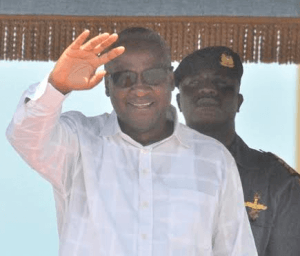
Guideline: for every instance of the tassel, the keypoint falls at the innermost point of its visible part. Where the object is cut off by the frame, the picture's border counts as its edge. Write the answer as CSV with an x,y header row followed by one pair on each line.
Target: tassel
x,y
255,39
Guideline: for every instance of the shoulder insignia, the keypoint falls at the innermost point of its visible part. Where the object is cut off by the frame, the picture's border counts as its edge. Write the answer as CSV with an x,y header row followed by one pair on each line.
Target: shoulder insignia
x,y
255,207
227,61
289,168
284,164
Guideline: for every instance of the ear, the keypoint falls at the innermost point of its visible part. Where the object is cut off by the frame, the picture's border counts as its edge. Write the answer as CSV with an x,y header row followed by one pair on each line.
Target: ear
x,y
171,81
240,101
178,101
106,82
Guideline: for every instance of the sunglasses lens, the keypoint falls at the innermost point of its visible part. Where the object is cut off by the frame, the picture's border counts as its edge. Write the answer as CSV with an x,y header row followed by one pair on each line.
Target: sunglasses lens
x,y
124,79
155,76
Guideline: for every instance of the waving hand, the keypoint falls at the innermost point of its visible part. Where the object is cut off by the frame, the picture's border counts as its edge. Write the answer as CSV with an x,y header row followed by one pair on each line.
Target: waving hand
x,y
76,67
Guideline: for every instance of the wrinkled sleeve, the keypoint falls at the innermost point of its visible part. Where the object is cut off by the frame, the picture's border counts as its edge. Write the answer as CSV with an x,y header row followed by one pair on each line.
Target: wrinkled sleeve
x,y
285,234
48,143
232,232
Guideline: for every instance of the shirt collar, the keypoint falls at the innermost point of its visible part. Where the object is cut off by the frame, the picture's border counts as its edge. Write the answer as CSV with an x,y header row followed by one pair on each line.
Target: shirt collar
x,y
236,147
112,127
178,132
243,155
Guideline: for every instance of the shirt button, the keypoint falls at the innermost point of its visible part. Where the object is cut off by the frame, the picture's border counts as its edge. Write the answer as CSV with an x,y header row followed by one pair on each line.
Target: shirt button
x,y
144,151
145,171
145,204
144,236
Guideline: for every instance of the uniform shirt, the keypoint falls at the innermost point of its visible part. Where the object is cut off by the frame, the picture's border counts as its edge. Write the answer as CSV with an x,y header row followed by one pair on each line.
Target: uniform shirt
x,y
114,197
272,198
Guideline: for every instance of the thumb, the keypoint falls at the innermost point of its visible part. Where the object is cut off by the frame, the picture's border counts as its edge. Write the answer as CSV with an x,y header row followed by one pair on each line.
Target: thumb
x,y
97,78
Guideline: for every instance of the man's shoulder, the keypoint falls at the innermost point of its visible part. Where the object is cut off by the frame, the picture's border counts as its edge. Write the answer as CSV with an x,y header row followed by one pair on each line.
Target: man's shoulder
x,y
250,158
265,164
197,137
204,145
281,166
258,158
77,119
270,160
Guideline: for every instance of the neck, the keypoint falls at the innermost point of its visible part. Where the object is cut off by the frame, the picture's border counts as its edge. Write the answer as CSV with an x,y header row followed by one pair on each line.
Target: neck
x,y
147,137
224,133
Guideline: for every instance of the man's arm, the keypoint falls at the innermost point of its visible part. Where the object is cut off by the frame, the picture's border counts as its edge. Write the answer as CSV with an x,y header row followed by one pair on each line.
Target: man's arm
x,y
45,141
285,233
36,132
232,235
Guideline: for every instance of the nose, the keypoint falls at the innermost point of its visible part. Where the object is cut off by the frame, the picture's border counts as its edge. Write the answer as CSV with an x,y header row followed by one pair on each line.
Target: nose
x,y
140,88
208,91
208,88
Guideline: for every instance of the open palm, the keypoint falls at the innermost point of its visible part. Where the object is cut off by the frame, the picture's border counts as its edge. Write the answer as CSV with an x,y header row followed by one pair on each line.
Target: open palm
x,y
76,67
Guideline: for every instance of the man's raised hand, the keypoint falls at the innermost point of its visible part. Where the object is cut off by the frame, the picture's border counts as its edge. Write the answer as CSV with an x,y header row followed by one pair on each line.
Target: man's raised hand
x,y
76,67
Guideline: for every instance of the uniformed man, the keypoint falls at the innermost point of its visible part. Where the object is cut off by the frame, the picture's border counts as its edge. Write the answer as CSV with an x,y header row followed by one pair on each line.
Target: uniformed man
x,y
209,83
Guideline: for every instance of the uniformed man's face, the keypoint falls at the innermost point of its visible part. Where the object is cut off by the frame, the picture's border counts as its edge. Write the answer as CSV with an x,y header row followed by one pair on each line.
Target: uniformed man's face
x,y
209,97
140,89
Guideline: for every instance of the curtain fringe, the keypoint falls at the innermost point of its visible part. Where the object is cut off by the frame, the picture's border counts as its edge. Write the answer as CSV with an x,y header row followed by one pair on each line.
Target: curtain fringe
x,y
256,39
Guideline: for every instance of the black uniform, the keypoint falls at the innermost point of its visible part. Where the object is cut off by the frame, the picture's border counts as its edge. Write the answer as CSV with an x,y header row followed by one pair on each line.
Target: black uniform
x,y
272,199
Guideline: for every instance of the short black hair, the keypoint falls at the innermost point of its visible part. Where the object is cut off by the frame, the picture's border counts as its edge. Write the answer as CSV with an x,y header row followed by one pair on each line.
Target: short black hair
x,y
214,57
134,37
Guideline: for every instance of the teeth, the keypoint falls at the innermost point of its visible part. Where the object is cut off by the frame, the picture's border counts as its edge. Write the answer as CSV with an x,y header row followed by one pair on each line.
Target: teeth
x,y
142,105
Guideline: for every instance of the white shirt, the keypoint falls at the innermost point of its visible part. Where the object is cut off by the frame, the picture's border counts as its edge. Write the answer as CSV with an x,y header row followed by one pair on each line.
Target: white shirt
x,y
114,197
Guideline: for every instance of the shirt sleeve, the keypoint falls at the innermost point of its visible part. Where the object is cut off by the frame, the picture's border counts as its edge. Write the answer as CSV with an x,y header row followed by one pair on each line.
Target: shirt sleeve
x,y
48,143
232,232
285,233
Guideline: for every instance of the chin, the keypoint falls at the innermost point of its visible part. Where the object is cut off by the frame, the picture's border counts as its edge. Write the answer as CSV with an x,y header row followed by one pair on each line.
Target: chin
x,y
206,119
140,124
204,123
142,127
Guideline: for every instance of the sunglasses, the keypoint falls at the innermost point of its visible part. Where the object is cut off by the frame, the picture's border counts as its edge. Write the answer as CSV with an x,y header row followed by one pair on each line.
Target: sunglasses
x,y
153,76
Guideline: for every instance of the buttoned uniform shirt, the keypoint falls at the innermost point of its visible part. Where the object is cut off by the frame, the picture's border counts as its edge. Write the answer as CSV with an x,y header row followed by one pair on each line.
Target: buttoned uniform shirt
x,y
115,197
272,195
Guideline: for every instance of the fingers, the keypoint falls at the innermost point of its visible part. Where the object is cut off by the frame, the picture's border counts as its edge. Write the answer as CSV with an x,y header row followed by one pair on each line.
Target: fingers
x,y
109,41
101,41
91,44
96,79
80,39
113,53
97,45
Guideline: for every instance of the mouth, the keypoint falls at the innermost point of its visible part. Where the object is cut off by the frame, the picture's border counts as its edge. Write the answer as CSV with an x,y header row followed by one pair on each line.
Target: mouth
x,y
141,105
207,102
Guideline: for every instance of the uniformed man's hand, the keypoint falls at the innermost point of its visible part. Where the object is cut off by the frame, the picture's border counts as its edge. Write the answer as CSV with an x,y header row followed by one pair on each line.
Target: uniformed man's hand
x,y
76,67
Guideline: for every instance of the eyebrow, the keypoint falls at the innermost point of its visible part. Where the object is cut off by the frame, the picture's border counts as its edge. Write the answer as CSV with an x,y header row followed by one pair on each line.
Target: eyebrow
x,y
155,67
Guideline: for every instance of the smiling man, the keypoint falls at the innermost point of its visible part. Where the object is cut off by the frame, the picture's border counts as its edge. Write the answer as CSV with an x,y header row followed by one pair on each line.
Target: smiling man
x,y
142,111
209,84
133,182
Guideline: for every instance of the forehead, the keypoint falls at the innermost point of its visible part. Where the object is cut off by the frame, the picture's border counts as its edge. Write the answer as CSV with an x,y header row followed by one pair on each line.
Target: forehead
x,y
140,58
210,74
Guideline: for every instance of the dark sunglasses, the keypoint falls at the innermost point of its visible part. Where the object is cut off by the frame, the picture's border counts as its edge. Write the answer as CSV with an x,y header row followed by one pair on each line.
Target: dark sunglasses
x,y
153,76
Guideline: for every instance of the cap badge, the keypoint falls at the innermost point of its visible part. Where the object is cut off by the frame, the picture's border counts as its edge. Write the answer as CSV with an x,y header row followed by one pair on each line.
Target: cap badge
x,y
255,207
227,61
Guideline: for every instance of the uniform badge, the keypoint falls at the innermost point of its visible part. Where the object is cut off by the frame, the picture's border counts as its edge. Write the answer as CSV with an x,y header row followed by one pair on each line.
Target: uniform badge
x,y
227,61
255,207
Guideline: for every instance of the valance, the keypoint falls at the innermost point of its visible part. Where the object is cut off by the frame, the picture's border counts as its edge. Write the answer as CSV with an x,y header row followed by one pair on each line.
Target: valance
x,y
256,39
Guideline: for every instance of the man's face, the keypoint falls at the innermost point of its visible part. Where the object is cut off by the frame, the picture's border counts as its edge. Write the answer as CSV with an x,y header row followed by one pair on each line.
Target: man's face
x,y
140,87
209,98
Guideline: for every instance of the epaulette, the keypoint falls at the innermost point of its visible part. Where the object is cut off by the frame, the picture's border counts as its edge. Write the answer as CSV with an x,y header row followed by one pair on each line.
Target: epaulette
x,y
283,163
